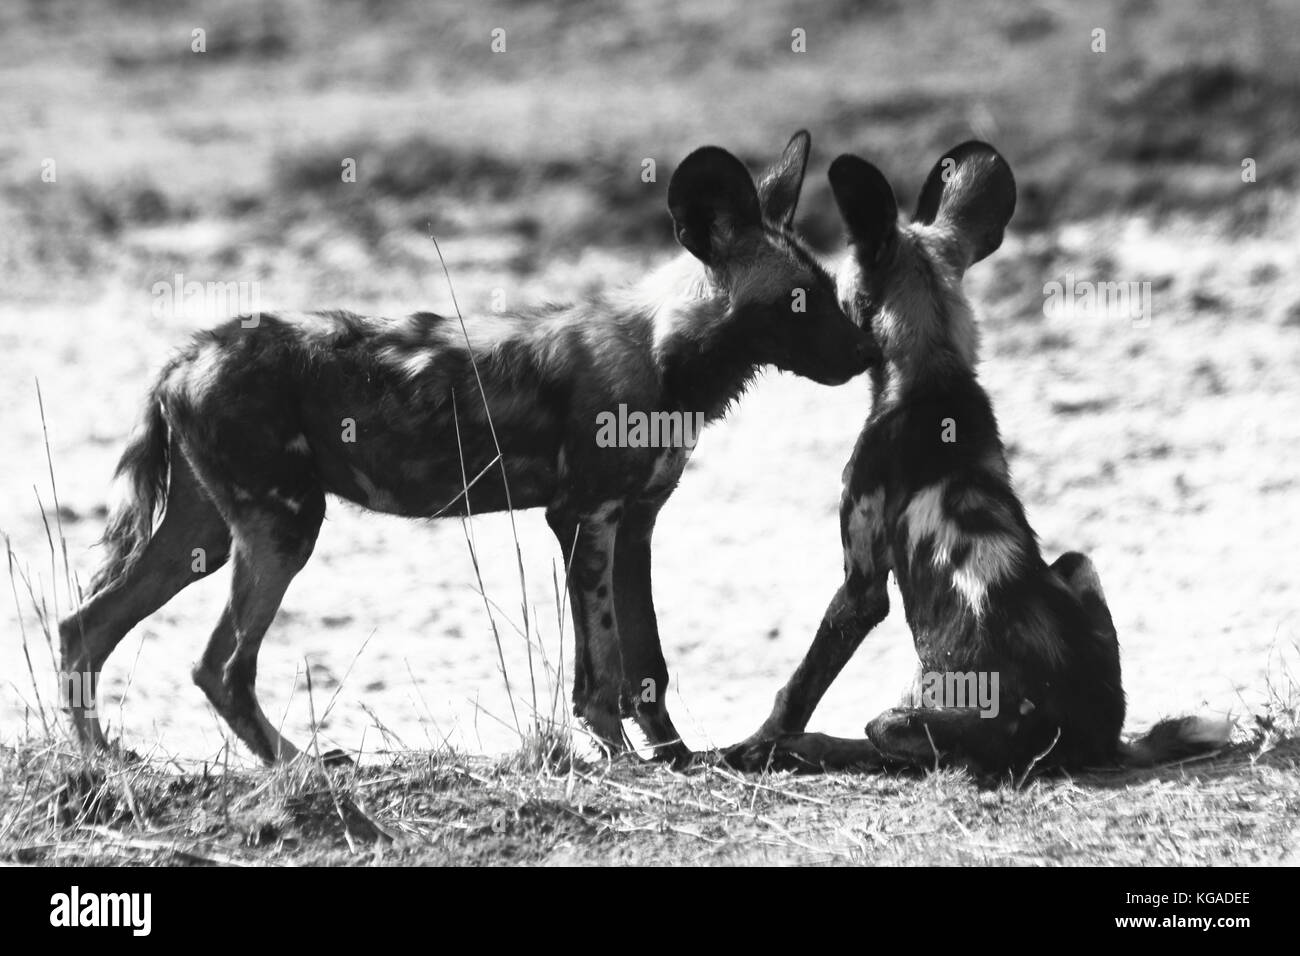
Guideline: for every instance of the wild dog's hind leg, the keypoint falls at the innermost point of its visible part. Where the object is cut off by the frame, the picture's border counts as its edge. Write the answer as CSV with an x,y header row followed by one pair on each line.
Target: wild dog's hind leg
x,y
644,668
923,737
273,538
1012,740
587,537
1096,692
191,542
1080,575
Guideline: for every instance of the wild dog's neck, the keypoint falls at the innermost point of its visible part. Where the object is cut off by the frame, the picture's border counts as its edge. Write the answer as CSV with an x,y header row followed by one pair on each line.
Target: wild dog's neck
x,y
703,357
925,338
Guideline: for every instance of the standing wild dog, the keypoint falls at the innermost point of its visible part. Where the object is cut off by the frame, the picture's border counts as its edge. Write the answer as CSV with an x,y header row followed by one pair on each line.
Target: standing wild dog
x,y
248,429
927,495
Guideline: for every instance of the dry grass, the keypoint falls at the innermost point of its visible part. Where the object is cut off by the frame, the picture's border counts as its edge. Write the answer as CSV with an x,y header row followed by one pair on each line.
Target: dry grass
x,y
545,803
540,806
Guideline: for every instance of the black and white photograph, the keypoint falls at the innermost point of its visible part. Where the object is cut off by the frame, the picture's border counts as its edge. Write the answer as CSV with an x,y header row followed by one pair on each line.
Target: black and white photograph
x,y
610,433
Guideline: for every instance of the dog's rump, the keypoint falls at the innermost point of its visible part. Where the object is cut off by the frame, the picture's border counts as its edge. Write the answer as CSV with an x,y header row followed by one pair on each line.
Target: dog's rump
x,y
389,413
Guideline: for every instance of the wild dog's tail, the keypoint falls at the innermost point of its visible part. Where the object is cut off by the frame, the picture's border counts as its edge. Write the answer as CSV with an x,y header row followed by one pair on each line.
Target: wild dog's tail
x,y
1176,739
142,478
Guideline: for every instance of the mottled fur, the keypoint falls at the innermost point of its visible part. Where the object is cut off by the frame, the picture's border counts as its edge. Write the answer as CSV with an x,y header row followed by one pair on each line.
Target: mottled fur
x,y
251,425
928,497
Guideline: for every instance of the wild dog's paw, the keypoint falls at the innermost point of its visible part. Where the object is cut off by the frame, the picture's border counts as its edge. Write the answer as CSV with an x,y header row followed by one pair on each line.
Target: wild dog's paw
x,y
887,727
675,754
900,734
804,753
749,756
894,719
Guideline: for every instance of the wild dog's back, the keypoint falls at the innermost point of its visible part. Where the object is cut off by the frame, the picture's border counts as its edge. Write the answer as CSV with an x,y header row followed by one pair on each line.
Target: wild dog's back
x,y
372,403
389,410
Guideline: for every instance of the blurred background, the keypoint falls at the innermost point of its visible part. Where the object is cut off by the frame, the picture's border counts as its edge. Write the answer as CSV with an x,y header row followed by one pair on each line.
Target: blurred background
x,y
1163,150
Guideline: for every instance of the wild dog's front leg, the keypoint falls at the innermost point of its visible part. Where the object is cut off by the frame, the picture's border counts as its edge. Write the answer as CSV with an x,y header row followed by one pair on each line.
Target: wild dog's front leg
x,y
809,753
644,667
780,743
859,605
587,537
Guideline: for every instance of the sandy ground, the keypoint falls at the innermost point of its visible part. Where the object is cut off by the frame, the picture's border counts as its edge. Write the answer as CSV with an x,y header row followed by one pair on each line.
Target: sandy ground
x,y
1168,451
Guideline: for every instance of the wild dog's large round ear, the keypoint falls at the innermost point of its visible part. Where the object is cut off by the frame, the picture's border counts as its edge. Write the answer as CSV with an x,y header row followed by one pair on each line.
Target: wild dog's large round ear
x,y
779,187
712,197
867,204
971,189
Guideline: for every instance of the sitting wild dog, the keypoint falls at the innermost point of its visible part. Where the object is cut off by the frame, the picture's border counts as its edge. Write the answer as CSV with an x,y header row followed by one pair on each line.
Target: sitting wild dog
x,y
927,496
253,423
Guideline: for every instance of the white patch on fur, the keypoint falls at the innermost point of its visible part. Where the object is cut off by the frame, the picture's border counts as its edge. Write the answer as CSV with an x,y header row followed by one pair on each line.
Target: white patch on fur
x,y
925,309
679,316
944,246
298,445
848,279
311,326
894,382
962,330
991,560
411,362
675,293
991,557
866,525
